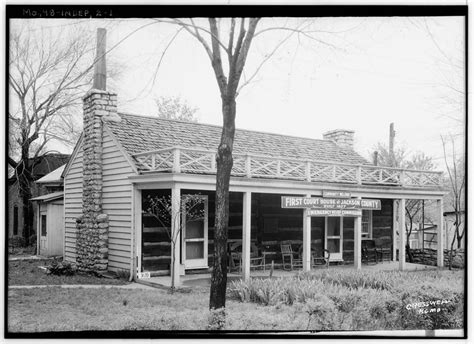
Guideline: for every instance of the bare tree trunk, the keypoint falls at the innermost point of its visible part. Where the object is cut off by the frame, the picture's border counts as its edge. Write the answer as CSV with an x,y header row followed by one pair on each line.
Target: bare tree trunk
x,y
24,175
451,252
224,167
173,262
25,196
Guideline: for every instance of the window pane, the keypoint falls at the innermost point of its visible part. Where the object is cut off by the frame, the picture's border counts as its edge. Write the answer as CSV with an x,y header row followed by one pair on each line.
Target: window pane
x,y
334,245
195,229
194,250
334,227
43,225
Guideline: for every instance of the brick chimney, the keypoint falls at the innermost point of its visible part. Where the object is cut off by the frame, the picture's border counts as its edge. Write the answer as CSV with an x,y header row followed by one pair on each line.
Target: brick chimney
x,y
93,225
343,138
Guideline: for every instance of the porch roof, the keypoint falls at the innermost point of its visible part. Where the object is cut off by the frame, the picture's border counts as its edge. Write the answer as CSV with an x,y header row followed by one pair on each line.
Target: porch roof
x,y
49,197
139,134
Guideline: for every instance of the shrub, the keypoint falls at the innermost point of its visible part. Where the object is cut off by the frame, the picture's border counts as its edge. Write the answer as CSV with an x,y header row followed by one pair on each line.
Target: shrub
x,y
363,300
354,279
123,274
16,242
272,291
216,319
60,268
422,306
322,314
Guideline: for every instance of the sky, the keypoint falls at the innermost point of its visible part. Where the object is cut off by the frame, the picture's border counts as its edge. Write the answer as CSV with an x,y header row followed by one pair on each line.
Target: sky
x,y
360,74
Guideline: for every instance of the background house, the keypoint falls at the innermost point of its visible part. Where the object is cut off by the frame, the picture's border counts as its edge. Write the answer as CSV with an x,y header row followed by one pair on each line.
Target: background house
x,y
46,163
49,214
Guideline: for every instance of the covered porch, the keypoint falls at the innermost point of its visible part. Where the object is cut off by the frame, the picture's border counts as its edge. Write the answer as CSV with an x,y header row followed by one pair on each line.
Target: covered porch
x,y
258,226
204,279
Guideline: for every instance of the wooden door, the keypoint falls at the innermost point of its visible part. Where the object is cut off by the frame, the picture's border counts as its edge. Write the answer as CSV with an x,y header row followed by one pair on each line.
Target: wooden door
x,y
195,240
55,227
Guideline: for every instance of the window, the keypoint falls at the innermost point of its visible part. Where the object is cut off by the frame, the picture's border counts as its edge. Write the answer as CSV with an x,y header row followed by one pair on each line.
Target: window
x,y
366,224
43,225
15,220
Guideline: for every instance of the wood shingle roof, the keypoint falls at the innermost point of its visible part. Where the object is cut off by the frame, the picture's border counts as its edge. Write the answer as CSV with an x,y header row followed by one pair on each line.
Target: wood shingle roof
x,y
139,134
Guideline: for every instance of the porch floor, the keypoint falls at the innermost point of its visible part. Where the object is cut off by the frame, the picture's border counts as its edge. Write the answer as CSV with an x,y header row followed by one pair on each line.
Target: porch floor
x,y
204,280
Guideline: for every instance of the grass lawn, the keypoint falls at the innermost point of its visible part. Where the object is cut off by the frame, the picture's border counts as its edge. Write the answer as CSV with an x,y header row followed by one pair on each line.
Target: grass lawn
x,y
57,309
26,272
350,301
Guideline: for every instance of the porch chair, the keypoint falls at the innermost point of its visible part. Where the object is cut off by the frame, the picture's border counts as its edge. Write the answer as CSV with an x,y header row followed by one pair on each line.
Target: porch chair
x,y
235,263
318,257
295,259
369,251
384,248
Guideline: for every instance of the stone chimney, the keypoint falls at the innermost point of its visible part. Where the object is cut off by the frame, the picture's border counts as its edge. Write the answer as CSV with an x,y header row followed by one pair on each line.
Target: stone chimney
x,y
93,225
343,138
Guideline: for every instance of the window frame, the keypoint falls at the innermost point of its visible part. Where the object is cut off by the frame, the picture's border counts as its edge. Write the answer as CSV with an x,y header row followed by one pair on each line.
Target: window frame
x,y
44,226
368,234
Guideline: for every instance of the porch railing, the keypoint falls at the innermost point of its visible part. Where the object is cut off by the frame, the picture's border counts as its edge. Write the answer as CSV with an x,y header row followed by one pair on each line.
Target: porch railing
x,y
201,161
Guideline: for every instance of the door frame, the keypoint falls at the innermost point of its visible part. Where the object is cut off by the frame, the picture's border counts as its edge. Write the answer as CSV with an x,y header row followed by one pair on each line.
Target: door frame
x,y
43,239
334,256
197,263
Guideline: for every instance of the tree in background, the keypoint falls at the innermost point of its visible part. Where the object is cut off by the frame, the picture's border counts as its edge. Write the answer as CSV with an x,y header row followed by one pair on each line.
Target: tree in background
x,y
456,185
47,79
385,159
175,108
414,208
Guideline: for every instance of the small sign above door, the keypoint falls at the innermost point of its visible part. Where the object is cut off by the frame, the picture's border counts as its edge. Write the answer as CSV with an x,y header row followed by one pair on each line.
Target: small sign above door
x,y
337,194
333,212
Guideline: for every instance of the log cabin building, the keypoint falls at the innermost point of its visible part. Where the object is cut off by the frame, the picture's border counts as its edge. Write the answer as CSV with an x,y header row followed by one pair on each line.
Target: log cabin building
x,y
121,159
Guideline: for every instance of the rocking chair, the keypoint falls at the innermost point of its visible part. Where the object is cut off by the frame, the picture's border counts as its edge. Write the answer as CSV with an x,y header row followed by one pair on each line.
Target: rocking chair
x,y
288,253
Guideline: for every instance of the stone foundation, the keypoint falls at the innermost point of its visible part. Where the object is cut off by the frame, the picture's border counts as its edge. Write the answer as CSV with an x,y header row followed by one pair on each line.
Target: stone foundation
x,y
429,257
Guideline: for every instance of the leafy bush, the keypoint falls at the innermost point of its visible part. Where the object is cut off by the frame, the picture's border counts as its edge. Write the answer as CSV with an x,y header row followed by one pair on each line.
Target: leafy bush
x,y
442,308
216,319
354,279
60,268
123,274
364,300
16,242
322,313
275,290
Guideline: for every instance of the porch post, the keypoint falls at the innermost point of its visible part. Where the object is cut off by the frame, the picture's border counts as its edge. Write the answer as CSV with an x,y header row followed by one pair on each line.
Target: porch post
x,y
246,232
394,230
401,233
306,240
175,232
358,241
136,254
440,239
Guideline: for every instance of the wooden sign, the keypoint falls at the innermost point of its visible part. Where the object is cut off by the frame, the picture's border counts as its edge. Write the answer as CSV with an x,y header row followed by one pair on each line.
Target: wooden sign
x,y
334,212
329,203
337,194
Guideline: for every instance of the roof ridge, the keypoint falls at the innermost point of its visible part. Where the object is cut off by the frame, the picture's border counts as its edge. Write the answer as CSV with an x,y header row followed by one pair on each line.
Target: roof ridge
x,y
219,126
